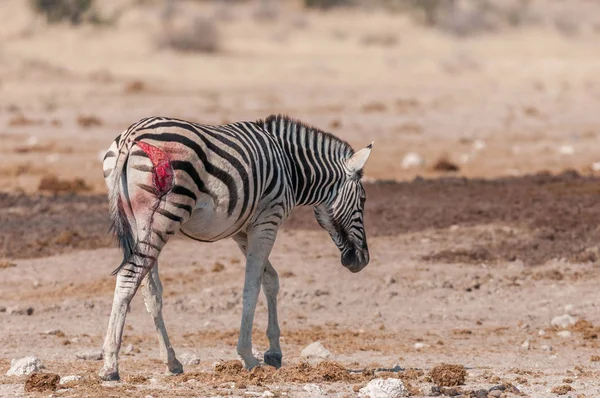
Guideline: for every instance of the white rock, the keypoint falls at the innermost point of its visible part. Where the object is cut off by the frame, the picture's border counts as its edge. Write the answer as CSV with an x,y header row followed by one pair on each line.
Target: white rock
x,y
565,334
52,331
570,309
383,388
90,355
420,346
563,321
596,166
68,379
25,366
267,394
546,348
313,389
412,159
315,350
479,145
541,332
188,358
525,345
566,150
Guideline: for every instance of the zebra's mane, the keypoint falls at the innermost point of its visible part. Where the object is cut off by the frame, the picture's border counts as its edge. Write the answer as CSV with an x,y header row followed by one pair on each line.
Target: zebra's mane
x,y
275,120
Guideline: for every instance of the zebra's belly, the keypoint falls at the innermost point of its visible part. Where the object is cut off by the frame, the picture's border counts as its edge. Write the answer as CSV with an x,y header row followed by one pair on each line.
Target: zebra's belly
x,y
209,224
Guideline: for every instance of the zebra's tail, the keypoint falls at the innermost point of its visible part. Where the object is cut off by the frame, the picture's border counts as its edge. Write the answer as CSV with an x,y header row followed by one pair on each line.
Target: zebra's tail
x,y
115,176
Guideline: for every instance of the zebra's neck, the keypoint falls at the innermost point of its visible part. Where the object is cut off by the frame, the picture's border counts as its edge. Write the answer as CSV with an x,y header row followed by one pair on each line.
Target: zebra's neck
x,y
315,158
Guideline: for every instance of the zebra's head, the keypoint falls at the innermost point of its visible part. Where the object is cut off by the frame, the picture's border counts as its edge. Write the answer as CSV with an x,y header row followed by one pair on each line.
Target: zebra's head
x,y
342,214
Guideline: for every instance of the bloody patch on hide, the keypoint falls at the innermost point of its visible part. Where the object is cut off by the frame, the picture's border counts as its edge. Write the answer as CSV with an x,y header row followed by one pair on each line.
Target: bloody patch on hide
x,y
163,171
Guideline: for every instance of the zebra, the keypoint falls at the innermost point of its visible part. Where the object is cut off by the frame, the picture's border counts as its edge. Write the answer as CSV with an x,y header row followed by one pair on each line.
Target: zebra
x,y
210,182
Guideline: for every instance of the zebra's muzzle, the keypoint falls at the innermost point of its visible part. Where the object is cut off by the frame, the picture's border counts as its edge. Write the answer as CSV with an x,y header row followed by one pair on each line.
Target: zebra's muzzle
x,y
355,259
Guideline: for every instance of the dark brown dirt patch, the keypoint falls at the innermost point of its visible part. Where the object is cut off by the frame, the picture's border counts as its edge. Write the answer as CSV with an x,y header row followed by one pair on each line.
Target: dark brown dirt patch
x,y
560,217
42,382
55,185
447,375
445,165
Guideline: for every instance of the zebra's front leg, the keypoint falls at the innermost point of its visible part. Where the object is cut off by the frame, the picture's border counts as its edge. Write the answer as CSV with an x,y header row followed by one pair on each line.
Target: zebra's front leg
x,y
128,281
259,245
270,283
152,292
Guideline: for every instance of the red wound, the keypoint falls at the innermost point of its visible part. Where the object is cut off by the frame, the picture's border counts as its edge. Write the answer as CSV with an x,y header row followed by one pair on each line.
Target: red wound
x,y
163,172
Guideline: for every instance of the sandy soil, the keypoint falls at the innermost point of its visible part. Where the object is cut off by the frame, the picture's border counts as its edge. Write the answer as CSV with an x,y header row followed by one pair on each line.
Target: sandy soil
x,y
468,266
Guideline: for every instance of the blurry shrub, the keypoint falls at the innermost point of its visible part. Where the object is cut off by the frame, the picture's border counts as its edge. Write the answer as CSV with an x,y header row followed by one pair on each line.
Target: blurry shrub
x,y
199,35
57,11
325,4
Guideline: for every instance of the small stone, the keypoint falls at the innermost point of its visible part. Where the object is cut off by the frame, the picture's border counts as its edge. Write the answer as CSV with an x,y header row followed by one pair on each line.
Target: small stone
x,y
390,280
563,321
436,391
384,388
412,159
88,304
69,379
267,394
570,309
450,392
565,334
90,355
21,311
25,366
595,166
420,346
566,150
129,350
526,345
546,348
53,332
541,332
312,389
316,350
188,358
495,393
481,394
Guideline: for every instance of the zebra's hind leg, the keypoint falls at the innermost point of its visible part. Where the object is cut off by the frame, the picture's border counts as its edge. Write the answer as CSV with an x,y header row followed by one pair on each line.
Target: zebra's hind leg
x,y
129,278
152,292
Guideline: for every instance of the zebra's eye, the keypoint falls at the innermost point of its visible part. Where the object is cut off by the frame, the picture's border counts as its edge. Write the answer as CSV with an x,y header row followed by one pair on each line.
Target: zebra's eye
x,y
363,199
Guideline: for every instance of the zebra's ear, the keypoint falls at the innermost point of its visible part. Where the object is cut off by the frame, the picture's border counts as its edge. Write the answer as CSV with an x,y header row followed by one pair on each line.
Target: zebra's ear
x,y
358,160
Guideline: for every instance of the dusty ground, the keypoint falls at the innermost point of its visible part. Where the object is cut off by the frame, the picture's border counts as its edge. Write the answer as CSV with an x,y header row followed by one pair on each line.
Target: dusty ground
x,y
468,266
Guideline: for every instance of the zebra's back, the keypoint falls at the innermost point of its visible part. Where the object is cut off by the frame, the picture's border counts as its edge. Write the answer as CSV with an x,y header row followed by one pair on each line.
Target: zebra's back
x,y
227,171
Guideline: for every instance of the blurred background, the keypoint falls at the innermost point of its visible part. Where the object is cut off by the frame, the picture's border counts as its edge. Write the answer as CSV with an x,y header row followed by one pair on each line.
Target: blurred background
x,y
476,88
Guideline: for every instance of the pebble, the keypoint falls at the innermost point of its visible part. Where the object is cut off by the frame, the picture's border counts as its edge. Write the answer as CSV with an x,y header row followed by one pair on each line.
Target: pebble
x,y
596,166
188,358
90,355
315,350
128,350
412,159
21,311
267,394
384,388
566,150
525,345
541,332
563,321
570,309
420,346
481,394
565,334
495,393
546,348
25,366
68,379
52,332
312,389
390,280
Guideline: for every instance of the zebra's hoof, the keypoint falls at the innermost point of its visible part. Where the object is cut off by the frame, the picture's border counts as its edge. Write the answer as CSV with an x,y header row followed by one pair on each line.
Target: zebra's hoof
x,y
273,358
175,368
109,376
